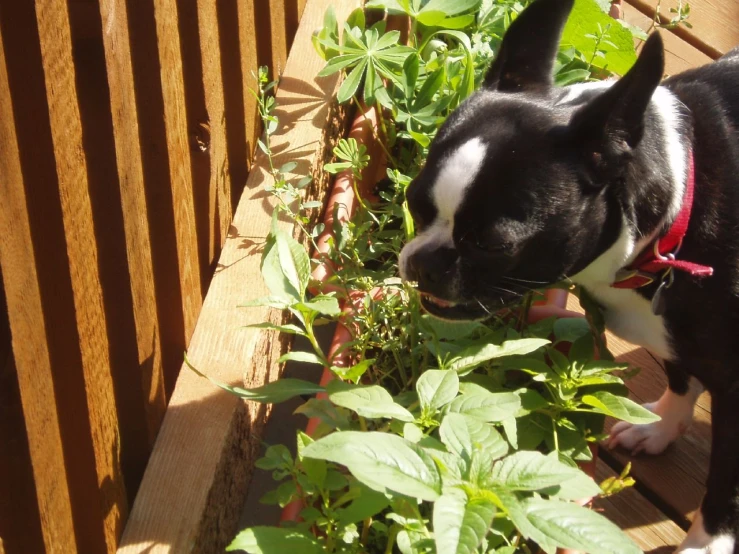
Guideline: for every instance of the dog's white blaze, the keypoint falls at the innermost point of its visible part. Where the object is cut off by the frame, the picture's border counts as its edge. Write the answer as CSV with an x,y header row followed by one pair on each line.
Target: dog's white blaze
x,y
698,541
457,173
628,315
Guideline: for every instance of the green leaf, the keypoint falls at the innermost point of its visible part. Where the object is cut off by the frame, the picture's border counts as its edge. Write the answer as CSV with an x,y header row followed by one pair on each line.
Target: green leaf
x,y
619,407
410,75
487,406
571,526
473,356
326,305
314,469
463,434
460,524
382,462
367,504
325,411
565,78
276,456
370,401
532,471
355,372
430,86
351,83
450,330
279,285
356,19
584,20
294,261
450,7
516,511
298,356
274,540
569,329
279,391
272,393
458,22
437,388
289,328
420,138
430,18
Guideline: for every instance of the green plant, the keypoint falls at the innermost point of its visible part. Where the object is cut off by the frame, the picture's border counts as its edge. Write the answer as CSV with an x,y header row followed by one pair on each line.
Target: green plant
x,y
437,437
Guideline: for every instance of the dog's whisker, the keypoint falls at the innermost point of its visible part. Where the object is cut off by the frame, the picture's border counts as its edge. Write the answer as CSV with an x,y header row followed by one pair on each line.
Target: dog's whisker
x,y
519,280
487,311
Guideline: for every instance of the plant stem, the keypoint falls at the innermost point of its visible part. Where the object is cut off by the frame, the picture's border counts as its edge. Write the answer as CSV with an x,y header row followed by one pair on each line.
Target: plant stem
x,y
365,530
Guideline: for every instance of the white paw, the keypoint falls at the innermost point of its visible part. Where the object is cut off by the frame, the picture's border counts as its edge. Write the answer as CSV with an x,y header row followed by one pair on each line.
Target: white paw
x,y
698,541
651,438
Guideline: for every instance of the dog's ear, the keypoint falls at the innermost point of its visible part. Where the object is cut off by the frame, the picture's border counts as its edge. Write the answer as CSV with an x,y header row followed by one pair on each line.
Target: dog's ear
x,y
526,56
613,122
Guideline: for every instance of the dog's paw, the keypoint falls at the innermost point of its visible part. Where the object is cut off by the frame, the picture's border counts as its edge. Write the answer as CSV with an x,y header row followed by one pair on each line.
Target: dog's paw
x,y
698,541
652,438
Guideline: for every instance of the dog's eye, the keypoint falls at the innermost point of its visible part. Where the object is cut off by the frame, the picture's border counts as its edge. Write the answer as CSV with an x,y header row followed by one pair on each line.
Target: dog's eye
x,y
480,242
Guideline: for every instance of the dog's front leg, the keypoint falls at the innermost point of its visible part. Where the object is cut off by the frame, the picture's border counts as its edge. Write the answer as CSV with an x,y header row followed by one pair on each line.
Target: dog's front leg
x,y
716,526
675,407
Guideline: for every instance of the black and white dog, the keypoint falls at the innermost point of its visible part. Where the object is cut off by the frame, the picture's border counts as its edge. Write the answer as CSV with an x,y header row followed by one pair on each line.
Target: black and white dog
x,y
628,188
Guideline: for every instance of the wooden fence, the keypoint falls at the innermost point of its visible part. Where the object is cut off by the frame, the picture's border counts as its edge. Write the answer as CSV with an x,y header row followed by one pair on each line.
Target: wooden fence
x,y
126,130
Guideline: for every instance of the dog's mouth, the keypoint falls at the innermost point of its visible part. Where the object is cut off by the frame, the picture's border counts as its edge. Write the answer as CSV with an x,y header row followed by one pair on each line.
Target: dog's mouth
x,y
447,309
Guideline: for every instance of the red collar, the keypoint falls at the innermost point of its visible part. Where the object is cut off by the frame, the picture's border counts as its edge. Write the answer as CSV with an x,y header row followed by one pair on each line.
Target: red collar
x,y
659,257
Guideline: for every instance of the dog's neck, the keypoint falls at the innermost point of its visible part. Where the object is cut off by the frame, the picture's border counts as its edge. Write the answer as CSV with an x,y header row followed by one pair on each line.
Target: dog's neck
x,y
654,189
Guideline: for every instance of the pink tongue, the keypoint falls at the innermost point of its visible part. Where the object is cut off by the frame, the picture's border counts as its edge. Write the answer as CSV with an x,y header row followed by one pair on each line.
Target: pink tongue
x,y
439,301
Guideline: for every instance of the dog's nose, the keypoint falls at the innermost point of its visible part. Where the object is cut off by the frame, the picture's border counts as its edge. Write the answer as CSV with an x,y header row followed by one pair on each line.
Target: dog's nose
x,y
429,266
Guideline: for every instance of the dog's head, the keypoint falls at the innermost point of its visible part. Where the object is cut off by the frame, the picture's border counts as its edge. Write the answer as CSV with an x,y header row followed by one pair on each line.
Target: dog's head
x,y
521,185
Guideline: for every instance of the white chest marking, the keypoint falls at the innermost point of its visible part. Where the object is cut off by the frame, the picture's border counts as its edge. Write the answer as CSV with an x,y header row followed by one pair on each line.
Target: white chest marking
x,y
457,173
628,315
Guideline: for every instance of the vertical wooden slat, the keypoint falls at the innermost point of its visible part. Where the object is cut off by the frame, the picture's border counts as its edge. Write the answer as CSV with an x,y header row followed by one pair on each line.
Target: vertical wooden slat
x,y
116,40
220,183
249,66
204,100
30,349
20,521
175,120
239,123
66,134
278,26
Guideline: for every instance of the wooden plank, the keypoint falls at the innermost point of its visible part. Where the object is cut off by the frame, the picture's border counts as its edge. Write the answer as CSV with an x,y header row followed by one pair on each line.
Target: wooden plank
x,y
175,122
20,521
279,35
201,67
30,350
126,131
195,483
216,147
238,53
674,479
647,526
249,66
66,134
714,30
679,55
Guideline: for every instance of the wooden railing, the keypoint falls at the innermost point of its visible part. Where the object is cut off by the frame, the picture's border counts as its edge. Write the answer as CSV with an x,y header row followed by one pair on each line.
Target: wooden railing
x,y
126,133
